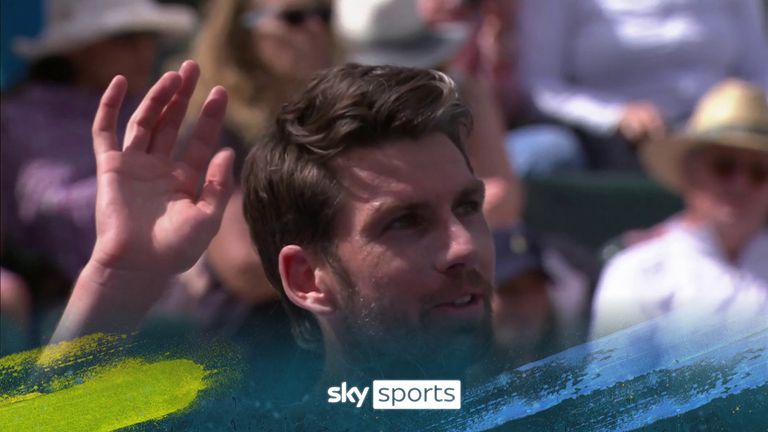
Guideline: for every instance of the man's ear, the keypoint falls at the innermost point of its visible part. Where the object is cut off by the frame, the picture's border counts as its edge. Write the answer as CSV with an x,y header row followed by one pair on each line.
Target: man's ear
x,y
298,273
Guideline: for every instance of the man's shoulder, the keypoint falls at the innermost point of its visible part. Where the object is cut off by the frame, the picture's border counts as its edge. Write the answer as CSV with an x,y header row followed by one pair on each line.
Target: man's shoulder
x,y
758,254
632,280
648,255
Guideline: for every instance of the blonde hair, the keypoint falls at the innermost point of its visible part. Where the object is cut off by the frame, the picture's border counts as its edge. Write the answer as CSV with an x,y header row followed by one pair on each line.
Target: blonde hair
x,y
224,49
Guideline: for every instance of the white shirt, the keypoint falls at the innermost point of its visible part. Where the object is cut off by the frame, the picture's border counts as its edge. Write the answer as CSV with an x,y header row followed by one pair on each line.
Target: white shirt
x,y
683,268
583,60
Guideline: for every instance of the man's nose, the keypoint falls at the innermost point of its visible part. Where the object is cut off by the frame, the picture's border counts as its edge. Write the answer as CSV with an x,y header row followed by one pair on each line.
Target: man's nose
x,y
461,248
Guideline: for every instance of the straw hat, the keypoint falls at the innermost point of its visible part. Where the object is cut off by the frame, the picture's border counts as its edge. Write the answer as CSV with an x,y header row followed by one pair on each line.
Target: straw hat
x,y
71,24
393,32
732,114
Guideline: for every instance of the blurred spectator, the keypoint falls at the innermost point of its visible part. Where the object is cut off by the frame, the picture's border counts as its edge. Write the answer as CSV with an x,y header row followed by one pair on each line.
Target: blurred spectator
x,y
48,170
544,287
392,32
490,50
622,72
491,54
713,256
523,313
262,52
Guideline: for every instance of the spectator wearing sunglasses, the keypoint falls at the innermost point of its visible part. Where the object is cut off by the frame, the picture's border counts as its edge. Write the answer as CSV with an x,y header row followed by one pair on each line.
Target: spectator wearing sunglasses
x,y
262,50
714,255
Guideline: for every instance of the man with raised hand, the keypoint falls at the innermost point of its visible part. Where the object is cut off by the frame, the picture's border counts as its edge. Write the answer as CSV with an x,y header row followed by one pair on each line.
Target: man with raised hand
x,y
361,202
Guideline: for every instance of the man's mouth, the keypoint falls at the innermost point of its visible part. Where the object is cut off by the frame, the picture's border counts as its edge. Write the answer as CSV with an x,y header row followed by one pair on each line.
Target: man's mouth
x,y
467,306
461,301
468,301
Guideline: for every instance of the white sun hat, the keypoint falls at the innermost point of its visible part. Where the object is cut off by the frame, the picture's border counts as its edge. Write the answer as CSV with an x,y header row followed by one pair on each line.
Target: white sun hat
x,y
70,24
393,32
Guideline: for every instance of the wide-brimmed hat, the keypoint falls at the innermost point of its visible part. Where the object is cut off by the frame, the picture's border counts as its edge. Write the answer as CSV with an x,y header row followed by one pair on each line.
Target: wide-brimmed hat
x,y
393,32
733,114
71,24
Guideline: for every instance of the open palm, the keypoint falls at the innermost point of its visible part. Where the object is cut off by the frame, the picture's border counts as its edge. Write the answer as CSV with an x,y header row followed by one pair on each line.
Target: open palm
x,y
152,215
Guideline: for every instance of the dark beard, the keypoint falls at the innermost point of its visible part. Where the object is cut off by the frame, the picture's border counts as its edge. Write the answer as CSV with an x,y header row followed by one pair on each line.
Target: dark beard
x,y
402,354
380,350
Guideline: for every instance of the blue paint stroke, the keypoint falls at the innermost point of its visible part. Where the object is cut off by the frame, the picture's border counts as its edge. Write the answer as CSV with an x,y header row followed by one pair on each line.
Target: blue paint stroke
x,y
630,379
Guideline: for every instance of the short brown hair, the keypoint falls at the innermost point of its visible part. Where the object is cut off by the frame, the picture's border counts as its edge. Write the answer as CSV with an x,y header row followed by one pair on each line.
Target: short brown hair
x,y
291,193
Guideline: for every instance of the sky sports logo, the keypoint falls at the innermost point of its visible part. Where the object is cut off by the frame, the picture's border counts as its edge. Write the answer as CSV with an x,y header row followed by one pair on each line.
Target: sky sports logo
x,y
401,394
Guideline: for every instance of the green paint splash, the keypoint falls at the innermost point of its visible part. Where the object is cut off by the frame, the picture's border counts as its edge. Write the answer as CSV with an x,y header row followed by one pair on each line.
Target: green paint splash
x,y
100,398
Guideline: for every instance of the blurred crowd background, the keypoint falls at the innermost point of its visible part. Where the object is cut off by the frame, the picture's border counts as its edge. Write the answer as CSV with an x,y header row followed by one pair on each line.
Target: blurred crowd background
x,y
565,93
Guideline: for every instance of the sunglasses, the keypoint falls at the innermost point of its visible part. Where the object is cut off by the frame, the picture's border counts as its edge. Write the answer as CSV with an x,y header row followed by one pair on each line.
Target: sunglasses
x,y
726,168
292,17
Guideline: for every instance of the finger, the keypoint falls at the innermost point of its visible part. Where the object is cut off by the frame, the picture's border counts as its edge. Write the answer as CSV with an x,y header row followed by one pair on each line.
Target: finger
x,y
644,126
630,129
655,124
204,137
144,119
219,183
105,122
166,132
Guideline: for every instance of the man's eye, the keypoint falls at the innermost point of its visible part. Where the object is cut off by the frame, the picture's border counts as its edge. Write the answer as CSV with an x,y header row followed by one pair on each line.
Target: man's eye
x,y
468,208
405,221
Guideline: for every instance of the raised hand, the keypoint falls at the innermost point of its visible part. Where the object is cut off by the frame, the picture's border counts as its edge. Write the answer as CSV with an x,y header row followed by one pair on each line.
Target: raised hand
x,y
154,215
151,214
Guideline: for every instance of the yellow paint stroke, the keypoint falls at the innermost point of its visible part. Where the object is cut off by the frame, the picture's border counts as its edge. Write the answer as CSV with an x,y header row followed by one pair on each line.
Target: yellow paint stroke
x,y
129,392
76,350
62,354
63,364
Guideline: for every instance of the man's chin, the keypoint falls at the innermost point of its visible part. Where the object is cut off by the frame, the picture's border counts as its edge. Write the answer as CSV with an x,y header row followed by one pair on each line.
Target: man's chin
x,y
435,353
458,348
